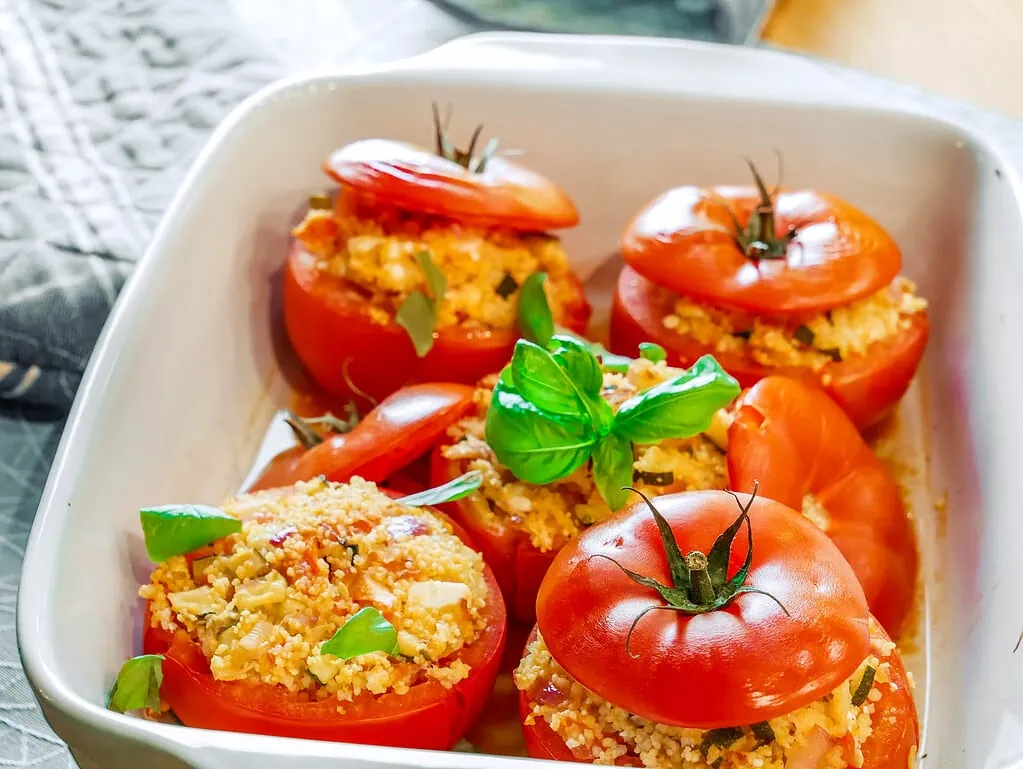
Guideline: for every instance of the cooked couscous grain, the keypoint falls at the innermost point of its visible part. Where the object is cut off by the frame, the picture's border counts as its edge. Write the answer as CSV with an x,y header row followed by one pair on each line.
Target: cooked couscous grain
x,y
262,602
376,250
809,341
555,513
599,732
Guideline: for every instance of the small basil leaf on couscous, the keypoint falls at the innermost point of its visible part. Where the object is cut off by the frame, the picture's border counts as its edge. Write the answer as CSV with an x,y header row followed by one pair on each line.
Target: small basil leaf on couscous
x,y
462,486
652,352
678,408
536,322
654,479
137,685
612,469
171,530
365,632
435,279
418,317
534,445
616,364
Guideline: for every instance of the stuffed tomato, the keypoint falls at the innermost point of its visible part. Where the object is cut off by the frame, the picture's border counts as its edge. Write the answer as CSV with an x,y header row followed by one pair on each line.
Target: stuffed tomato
x,y
798,283
425,267
801,447
322,611
677,634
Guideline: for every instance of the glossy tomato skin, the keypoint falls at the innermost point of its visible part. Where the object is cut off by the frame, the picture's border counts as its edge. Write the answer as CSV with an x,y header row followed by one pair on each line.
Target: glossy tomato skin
x,y
428,716
793,440
587,605
328,323
867,387
684,241
403,427
505,194
519,566
895,726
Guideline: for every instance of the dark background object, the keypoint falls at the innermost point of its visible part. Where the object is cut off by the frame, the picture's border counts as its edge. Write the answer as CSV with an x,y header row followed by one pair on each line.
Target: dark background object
x,y
737,22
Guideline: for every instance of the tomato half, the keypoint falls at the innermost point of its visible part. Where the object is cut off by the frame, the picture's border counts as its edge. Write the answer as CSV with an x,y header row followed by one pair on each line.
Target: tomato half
x,y
504,194
685,241
867,387
587,606
795,441
428,716
894,735
329,325
393,434
518,564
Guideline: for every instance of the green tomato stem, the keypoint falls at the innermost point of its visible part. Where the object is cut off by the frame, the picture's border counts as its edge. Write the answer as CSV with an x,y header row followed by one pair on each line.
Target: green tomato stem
x,y
701,589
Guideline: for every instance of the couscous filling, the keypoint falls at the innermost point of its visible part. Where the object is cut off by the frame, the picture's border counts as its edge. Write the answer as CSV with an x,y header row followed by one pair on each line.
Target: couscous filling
x,y
805,341
555,513
262,602
375,248
830,730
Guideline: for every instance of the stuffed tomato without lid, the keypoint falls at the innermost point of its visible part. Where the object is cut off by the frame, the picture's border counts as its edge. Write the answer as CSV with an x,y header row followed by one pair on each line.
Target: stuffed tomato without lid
x,y
798,283
320,611
677,633
426,267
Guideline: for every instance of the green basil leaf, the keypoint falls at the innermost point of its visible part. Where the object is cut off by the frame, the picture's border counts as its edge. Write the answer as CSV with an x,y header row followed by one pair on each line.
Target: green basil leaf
x,y
462,486
617,364
365,632
612,469
172,530
652,352
579,362
538,447
435,279
137,685
540,378
678,408
536,322
418,316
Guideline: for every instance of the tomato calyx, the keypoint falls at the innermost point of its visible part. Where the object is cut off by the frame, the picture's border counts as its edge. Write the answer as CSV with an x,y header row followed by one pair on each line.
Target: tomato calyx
x,y
759,239
699,581
308,436
465,158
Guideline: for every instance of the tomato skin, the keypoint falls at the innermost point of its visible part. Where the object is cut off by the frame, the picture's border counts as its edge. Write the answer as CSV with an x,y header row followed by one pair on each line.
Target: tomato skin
x,y
428,716
505,194
397,431
328,324
867,387
519,566
587,605
894,734
794,440
683,241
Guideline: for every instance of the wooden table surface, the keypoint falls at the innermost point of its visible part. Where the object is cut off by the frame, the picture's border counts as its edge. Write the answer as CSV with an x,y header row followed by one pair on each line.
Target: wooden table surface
x,y
967,49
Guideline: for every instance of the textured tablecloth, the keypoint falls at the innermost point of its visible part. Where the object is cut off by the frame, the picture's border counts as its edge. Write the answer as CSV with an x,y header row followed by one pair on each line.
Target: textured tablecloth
x,y
103,104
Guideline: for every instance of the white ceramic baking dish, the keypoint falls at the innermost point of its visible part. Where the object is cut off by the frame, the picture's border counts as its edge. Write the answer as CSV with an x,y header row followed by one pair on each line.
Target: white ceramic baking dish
x,y
186,379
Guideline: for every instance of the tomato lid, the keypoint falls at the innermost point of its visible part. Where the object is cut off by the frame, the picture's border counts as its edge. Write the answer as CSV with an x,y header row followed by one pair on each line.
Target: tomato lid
x,y
793,251
484,189
794,629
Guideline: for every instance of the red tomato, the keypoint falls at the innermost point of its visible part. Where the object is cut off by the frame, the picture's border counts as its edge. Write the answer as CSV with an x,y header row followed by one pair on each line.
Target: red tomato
x,y
393,434
893,737
867,387
503,195
329,325
518,565
794,441
685,241
587,607
428,716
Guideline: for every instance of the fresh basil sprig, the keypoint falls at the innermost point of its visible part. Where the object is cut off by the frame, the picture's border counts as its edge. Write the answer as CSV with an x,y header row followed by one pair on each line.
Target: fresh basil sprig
x,y
652,352
459,487
137,685
536,321
365,632
418,313
547,419
171,530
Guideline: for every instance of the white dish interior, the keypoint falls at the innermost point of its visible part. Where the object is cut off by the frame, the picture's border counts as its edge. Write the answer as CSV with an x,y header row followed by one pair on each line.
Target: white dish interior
x,y
186,378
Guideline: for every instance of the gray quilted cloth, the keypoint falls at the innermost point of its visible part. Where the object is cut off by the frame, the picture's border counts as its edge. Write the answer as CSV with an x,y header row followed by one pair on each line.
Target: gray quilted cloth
x,y
103,105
